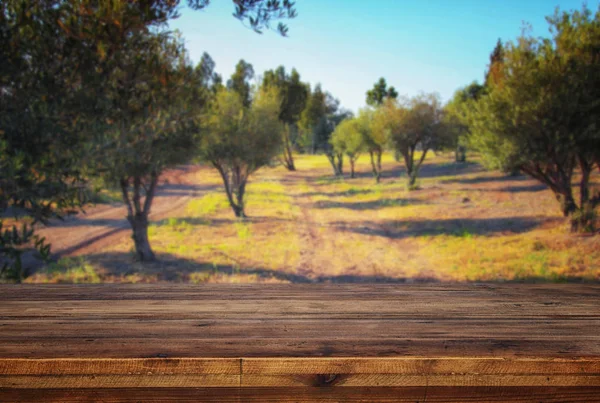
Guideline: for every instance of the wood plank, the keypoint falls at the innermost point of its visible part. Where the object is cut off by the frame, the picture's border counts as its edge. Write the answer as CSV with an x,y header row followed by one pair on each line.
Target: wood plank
x,y
295,347
432,308
97,366
419,366
308,395
118,381
426,342
165,291
49,329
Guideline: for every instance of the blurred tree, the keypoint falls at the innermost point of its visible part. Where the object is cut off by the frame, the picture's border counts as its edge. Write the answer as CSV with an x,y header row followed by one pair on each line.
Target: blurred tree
x,y
414,125
494,73
294,96
240,81
153,104
542,113
207,75
380,93
375,138
238,140
313,119
334,118
455,118
347,139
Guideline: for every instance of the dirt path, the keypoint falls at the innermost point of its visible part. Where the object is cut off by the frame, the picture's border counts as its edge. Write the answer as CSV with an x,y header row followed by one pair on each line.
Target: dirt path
x,y
309,237
106,224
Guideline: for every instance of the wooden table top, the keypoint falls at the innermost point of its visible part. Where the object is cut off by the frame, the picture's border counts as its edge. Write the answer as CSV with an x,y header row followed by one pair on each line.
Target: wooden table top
x,y
65,337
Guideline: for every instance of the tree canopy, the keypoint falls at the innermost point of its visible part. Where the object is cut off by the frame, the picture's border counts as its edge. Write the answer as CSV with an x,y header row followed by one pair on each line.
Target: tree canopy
x,y
414,125
541,114
380,92
238,140
348,139
294,95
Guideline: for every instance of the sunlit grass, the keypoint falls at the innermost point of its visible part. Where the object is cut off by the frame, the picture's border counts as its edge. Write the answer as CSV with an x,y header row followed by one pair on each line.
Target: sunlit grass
x,y
68,270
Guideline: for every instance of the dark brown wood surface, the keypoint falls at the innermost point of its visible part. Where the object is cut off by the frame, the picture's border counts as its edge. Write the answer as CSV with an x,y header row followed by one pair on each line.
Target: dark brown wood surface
x,y
416,343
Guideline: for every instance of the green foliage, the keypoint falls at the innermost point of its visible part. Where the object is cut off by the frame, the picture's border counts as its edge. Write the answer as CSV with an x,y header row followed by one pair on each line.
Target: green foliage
x,y
294,95
542,111
375,138
455,118
292,91
313,120
380,93
494,73
72,270
348,139
13,244
239,140
240,81
413,124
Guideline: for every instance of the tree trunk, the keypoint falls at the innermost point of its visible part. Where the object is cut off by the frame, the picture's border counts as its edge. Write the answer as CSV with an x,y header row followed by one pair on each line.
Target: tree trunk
x,y
376,164
412,179
460,154
288,158
351,167
583,219
331,159
340,164
137,214
239,184
139,224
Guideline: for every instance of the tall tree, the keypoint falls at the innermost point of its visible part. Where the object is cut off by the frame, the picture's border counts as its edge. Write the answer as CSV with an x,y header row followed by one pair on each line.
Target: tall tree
x,y
239,140
542,115
294,95
380,92
455,118
240,81
495,67
209,78
313,119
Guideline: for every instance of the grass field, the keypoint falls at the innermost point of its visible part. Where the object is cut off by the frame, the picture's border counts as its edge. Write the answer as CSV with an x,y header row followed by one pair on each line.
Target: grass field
x,y
463,224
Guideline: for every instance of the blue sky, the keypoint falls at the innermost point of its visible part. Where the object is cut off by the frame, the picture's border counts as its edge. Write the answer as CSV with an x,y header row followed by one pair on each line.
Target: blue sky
x,y
346,45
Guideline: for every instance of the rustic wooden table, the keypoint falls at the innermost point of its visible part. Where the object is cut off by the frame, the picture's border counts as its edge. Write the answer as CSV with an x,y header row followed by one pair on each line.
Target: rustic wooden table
x,y
292,343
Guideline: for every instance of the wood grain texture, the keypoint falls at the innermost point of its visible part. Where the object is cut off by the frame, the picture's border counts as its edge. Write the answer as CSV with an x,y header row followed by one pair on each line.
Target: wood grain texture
x,y
306,395
297,343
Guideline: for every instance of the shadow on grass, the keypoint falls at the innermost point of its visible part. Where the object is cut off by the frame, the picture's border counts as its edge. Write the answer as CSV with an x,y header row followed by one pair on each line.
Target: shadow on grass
x,y
180,189
455,227
345,193
367,205
449,169
429,170
487,179
525,188
172,268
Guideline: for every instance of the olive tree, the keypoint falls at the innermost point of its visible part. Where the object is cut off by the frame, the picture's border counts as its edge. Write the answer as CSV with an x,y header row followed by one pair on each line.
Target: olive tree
x,y
152,97
238,140
542,112
376,137
414,125
348,139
